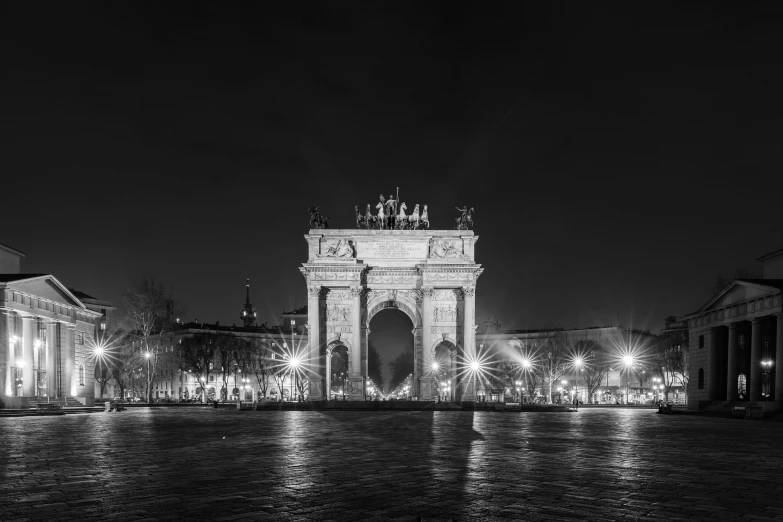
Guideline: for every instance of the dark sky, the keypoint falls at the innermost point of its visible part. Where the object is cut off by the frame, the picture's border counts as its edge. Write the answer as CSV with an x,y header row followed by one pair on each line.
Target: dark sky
x,y
619,156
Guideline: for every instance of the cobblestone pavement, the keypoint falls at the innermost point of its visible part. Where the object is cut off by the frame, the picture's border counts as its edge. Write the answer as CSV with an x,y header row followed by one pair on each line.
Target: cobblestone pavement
x,y
206,464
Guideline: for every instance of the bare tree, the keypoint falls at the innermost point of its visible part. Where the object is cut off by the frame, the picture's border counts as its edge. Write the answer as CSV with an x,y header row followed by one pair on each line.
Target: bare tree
x,y
280,381
259,363
595,365
226,356
198,354
148,311
669,362
554,361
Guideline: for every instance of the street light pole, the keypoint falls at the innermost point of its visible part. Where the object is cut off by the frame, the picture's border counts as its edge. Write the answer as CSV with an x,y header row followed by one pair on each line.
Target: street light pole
x,y
147,355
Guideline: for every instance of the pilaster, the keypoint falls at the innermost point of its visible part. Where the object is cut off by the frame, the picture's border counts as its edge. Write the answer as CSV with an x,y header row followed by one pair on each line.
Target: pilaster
x,y
356,332
314,339
468,344
427,386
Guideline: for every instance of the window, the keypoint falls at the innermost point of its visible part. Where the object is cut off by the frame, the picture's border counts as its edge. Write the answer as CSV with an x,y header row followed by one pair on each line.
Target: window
x,y
103,312
81,375
80,338
701,341
701,378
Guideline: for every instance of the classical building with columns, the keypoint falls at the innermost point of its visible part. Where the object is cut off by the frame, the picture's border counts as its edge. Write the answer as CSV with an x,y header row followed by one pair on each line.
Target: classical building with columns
x,y
45,339
736,343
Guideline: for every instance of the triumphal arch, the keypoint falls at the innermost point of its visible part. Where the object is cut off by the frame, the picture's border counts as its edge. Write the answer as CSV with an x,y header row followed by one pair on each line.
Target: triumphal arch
x,y
352,274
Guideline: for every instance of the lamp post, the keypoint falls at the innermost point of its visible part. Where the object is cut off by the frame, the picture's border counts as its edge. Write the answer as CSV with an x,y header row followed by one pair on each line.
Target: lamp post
x,y
148,355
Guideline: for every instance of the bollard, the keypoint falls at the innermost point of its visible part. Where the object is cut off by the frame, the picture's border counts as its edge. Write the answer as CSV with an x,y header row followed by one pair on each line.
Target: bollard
x,y
106,407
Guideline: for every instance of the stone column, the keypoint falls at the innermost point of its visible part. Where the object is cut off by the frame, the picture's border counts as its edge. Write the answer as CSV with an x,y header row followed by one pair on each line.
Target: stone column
x,y
468,343
314,340
755,360
427,386
328,387
713,386
731,373
28,356
355,382
68,359
51,359
779,359
6,354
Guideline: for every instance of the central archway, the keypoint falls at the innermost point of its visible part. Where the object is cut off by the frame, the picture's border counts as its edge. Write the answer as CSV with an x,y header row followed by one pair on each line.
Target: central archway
x,y
391,341
409,303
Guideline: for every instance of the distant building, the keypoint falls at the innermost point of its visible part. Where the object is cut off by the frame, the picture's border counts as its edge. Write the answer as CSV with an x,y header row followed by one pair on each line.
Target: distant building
x,y
248,314
105,308
46,334
736,343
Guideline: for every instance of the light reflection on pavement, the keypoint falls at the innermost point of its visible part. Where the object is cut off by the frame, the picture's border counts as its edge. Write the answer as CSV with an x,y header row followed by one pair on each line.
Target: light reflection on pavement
x,y
329,465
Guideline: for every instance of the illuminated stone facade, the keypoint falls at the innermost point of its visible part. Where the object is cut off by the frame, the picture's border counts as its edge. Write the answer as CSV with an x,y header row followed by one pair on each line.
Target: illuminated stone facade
x,y
46,339
351,275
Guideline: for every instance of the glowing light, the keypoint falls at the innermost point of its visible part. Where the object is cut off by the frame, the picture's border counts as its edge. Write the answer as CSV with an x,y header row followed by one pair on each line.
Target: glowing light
x,y
578,361
19,363
99,351
294,363
147,355
475,366
435,366
526,364
628,360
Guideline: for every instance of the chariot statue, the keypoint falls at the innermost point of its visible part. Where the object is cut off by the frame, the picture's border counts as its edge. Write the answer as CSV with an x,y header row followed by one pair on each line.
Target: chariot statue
x,y
391,215
316,219
465,221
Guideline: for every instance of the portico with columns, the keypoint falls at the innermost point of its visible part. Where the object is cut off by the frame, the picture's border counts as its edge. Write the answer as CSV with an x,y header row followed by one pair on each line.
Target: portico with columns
x,y
351,275
736,347
45,342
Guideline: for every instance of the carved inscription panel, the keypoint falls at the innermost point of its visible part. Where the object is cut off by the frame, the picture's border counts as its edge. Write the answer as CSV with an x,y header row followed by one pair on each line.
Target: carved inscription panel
x,y
391,249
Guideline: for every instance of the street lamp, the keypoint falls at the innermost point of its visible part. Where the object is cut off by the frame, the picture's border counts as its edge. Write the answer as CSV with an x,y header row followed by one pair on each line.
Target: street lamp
x,y
148,355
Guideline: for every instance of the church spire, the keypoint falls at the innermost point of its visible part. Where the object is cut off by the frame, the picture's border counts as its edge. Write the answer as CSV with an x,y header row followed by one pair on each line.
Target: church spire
x,y
248,311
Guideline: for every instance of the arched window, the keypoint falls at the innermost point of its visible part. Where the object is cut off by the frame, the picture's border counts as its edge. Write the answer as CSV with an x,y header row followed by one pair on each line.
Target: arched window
x,y
81,375
701,378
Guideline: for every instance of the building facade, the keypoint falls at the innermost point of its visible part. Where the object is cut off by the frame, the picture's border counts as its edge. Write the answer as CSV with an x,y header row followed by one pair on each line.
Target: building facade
x,y
46,339
736,343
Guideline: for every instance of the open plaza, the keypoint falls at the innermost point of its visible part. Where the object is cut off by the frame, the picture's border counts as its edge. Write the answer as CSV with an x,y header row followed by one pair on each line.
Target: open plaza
x,y
186,463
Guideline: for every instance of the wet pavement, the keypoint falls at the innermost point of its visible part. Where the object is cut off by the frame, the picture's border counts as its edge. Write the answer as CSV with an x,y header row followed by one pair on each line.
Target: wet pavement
x,y
206,464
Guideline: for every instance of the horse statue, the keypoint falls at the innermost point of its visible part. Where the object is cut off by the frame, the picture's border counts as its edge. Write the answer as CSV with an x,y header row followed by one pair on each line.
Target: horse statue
x,y
465,221
369,219
359,217
316,219
402,220
380,216
425,219
413,219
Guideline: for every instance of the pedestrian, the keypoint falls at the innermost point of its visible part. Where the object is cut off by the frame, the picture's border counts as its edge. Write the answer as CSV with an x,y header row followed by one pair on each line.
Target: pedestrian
x,y
576,403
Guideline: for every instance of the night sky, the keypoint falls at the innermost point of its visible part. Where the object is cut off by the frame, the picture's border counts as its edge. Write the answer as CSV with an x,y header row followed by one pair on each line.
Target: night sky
x,y
619,156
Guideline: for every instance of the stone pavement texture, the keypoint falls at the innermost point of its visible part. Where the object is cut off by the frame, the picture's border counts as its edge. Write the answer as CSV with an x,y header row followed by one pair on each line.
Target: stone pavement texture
x,y
224,465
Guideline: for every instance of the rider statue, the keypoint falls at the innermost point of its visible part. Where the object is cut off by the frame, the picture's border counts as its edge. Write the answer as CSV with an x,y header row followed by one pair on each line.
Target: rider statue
x,y
391,210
